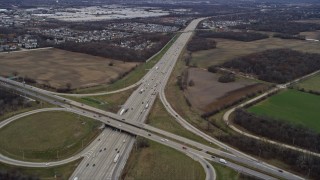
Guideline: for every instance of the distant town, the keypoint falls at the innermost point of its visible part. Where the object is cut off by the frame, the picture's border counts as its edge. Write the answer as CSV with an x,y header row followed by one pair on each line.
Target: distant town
x,y
35,30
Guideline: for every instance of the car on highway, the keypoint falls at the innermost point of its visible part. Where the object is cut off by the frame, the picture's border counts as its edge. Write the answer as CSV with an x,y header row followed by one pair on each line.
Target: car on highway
x,y
184,147
223,161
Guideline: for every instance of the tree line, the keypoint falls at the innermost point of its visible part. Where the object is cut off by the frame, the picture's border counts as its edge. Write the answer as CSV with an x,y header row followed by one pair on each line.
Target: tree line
x,y
225,105
280,26
15,175
201,43
315,92
305,164
289,36
296,135
277,65
108,50
10,102
238,36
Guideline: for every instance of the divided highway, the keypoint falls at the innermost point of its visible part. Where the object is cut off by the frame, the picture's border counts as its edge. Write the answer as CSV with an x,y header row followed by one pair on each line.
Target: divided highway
x,y
136,109
143,130
106,156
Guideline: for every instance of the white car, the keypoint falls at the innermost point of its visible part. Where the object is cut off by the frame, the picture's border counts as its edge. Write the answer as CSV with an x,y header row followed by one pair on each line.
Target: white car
x,y
222,161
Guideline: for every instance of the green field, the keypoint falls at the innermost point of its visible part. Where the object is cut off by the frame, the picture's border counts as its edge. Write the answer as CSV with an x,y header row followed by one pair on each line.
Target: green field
x,y
34,106
293,106
50,173
134,76
160,118
110,102
312,83
158,162
178,101
224,172
47,136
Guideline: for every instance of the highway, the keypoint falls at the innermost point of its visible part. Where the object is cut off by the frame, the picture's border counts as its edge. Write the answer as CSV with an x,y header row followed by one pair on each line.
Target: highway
x,y
96,155
102,93
100,155
136,101
146,131
137,108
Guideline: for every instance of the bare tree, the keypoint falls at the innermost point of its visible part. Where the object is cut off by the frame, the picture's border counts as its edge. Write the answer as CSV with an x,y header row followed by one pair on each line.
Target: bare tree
x,y
69,85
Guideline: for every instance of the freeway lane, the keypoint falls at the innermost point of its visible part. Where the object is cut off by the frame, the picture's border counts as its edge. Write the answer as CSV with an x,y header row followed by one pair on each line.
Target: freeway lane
x,y
133,128
138,106
90,151
141,100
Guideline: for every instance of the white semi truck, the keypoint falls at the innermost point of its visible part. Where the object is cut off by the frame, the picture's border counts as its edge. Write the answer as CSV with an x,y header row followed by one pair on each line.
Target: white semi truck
x,y
116,158
123,110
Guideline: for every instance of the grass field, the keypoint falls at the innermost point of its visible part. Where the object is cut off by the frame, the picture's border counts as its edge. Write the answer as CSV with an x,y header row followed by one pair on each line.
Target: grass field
x,y
110,102
293,106
56,67
47,136
209,94
177,100
225,173
312,34
34,106
134,76
161,119
158,162
312,83
228,49
50,173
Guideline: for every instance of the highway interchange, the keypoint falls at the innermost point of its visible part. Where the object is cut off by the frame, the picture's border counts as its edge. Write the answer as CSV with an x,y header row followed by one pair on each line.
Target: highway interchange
x,y
99,156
